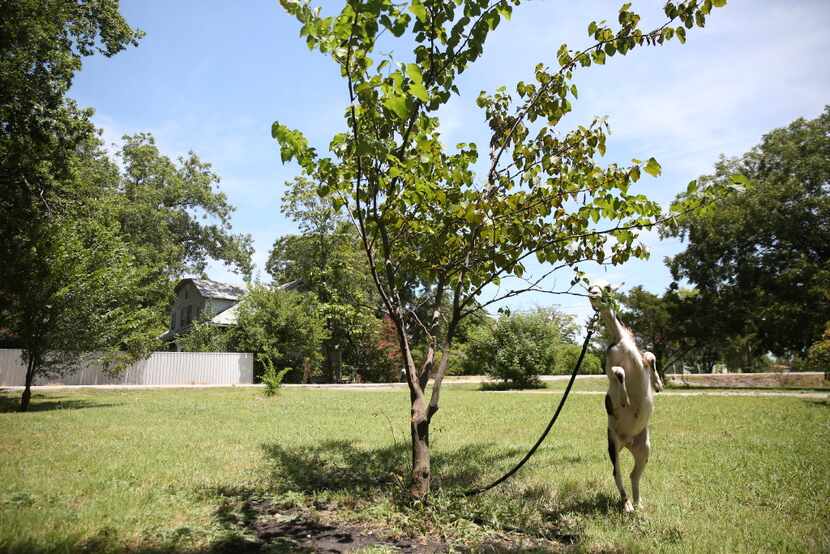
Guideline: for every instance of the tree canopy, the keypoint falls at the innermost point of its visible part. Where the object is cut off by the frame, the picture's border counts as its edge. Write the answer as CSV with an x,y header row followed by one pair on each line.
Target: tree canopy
x,y
760,260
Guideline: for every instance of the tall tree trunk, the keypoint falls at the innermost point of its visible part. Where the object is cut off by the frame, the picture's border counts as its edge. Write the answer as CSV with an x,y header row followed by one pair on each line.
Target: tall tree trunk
x,y
27,392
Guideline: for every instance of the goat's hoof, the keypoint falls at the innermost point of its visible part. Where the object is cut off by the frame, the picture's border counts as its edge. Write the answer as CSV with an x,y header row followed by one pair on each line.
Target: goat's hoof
x,y
628,507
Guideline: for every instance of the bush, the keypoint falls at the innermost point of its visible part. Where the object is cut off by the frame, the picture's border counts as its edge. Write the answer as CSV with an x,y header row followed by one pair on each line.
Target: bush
x,y
818,356
272,379
518,349
285,327
567,355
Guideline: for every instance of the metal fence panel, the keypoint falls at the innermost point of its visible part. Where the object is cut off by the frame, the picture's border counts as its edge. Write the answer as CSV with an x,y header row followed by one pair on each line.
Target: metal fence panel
x,y
161,368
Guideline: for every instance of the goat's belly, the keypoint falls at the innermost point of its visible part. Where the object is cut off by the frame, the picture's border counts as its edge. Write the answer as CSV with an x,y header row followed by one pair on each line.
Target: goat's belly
x,y
629,422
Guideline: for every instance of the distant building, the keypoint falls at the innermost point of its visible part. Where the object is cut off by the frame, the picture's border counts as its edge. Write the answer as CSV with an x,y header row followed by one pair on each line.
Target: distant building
x,y
202,300
205,300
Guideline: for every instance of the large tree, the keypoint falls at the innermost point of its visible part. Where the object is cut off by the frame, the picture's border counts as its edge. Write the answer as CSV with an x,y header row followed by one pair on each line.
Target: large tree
x,y
760,261
326,260
42,137
425,218
174,217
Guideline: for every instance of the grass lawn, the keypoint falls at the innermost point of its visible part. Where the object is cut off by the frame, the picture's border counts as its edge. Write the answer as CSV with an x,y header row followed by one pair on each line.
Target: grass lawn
x,y
217,470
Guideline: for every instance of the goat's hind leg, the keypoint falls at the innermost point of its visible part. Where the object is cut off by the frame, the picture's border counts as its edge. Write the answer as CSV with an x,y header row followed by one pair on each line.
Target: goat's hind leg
x,y
641,448
614,448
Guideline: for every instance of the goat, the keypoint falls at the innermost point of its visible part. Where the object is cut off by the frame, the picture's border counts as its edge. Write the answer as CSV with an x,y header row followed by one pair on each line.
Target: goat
x,y
630,398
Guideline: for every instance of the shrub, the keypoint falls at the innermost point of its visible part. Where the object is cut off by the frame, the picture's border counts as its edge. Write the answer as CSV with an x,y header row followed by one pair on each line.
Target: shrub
x,y
285,327
272,379
566,356
518,349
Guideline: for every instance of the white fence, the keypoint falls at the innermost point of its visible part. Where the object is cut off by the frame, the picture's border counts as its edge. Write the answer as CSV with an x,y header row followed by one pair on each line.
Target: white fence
x,y
161,368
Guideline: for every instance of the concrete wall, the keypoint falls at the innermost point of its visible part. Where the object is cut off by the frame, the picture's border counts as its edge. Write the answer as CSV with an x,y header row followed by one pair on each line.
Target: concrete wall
x,y
161,368
751,380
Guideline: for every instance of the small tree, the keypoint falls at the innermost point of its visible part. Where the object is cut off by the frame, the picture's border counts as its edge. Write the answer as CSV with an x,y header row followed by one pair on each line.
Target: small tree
x,y
85,300
425,220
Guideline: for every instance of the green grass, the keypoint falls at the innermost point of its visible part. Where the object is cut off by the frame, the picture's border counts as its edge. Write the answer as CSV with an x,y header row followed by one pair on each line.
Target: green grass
x,y
188,470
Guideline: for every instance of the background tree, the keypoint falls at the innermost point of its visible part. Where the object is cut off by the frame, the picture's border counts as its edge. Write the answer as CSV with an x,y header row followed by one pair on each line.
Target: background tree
x,y
760,261
285,327
425,220
48,290
175,218
85,295
206,337
326,260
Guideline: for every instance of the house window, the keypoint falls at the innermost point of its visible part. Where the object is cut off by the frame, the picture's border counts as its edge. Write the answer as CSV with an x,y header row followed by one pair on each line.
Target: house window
x,y
189,314
173,321
183,318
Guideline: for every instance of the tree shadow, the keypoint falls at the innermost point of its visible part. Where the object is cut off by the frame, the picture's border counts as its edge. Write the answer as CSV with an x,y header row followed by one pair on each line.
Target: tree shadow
x,y
340,466
509,385
304,482
40,403
817,402
294,507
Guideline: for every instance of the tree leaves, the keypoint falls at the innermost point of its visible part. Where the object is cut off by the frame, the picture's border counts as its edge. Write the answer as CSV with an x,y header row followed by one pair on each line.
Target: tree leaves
x,y
653,168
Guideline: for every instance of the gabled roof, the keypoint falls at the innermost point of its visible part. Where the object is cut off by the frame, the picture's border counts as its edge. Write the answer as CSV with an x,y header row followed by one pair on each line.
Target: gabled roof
x,y
213,289
226,317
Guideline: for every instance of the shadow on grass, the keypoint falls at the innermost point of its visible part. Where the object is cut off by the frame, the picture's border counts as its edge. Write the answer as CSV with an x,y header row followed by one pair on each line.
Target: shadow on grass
x,y
41,403
310,499
508,385
308,482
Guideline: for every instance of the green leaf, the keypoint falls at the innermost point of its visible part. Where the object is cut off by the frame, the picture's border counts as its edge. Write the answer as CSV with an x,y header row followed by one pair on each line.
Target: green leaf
x,y
653,168
739,182
419,91
719,3
692,187
397,104
418,10
592,28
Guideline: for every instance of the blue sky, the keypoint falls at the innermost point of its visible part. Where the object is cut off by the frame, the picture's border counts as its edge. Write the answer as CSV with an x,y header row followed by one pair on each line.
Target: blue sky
x,y
212,76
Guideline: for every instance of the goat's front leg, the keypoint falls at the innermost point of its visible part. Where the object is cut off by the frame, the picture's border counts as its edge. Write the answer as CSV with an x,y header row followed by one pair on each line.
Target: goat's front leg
x,y
641,448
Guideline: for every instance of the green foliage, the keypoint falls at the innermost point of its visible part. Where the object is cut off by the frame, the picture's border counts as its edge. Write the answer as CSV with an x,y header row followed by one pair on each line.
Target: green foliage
x,y
567,354
327,261
271,378
284,327
818,356
760,260
206,337
520,347
172,214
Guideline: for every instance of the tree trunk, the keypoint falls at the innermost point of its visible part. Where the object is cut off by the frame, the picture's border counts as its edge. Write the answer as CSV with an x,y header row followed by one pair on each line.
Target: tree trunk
x,y
27,392
421,476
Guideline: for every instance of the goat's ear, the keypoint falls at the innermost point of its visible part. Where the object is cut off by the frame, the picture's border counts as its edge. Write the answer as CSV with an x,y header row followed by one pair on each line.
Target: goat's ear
x,y
618,286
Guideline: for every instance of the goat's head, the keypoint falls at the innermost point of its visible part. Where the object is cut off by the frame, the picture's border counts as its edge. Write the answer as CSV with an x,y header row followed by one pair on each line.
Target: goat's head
x,y
601,294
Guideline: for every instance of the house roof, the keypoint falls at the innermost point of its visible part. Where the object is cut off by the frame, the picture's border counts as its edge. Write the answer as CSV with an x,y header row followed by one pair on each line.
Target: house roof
x,y
213,289
226,317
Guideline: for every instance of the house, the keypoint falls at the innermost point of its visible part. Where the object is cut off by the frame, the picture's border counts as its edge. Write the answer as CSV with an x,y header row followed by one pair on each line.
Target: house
x,y
202,300
205,300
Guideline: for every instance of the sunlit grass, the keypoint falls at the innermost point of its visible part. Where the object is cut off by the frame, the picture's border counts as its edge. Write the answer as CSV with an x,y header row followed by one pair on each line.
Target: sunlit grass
x,y
178,470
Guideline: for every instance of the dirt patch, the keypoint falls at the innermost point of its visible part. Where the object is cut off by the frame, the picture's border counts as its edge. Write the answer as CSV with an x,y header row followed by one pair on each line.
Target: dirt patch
x,y
296,530
300,534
